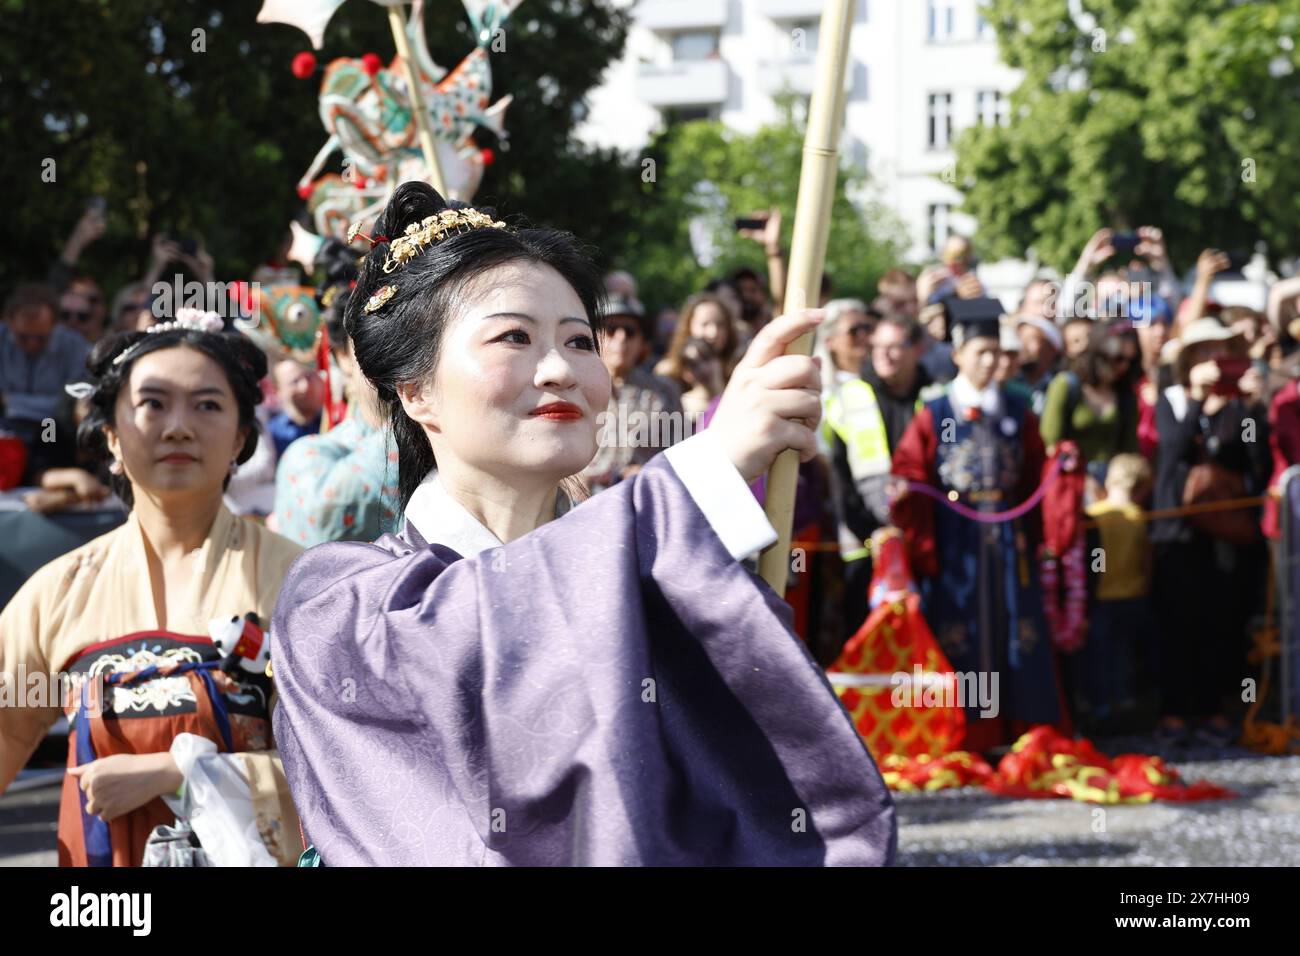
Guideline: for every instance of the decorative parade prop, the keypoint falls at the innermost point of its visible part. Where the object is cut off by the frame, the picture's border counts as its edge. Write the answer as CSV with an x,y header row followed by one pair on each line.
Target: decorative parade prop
x,y
808,253
411,119
1043,763
408,120
287,323
894,657
1062,570
900,690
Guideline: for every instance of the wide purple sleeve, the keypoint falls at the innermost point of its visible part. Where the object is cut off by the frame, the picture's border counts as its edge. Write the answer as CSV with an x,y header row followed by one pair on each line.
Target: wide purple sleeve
x,y
612,689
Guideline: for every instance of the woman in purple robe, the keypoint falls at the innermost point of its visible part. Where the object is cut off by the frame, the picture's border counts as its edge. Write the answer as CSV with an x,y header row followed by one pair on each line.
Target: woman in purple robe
x,y
511,682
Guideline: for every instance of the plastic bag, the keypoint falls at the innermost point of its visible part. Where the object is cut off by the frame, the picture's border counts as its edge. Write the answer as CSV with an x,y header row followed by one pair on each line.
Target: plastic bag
x,y
217,804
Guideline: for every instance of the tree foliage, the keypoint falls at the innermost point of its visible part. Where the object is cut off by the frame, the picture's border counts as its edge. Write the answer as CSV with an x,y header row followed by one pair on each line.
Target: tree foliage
x,y
702,169
1174,113
212,141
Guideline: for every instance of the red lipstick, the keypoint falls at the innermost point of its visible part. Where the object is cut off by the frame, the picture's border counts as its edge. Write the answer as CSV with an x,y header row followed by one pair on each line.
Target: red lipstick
x,y
558,412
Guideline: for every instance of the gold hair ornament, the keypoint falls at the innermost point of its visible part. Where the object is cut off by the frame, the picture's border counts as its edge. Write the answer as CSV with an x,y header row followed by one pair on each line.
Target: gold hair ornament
x,y
419,236
381,296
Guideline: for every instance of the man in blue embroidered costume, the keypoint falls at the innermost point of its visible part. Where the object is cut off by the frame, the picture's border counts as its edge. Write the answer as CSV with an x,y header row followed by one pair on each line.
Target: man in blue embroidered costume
x,y
979,444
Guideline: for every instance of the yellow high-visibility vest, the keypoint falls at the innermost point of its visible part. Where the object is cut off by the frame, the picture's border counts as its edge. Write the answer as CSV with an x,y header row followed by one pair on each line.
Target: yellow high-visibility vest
x,y
853,415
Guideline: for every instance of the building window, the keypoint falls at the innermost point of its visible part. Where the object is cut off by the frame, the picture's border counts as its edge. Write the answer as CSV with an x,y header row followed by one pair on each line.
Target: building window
x,y
694,45
940,112
991,108
685,114
860,154
937,219
941,20
984,30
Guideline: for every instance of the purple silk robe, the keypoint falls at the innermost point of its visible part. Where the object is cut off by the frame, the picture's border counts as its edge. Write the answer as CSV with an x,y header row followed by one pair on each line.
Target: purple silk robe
x,y
612,689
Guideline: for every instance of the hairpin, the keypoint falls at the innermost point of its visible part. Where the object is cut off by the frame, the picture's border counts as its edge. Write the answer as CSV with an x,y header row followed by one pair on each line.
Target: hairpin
x,y
194,320
419,236
381,296
354,231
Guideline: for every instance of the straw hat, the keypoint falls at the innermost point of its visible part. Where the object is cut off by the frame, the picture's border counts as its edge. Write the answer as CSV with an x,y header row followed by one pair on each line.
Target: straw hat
x,y
1205,330
1049,329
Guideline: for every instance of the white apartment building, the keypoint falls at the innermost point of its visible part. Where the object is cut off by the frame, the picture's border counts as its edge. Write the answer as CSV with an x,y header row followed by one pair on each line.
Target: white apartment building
x,y
919,71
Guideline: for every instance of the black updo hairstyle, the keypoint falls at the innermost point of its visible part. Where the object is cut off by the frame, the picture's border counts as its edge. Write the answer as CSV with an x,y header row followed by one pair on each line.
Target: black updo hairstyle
x,y
338,263
242,361
400,341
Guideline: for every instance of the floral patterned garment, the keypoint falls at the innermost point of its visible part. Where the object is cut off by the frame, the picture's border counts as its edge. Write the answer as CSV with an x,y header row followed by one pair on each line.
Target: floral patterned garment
x,y
340,486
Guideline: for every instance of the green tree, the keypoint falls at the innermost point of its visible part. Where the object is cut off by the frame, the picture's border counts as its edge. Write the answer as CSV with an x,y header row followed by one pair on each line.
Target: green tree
x,y
212,141
701,169
1174,113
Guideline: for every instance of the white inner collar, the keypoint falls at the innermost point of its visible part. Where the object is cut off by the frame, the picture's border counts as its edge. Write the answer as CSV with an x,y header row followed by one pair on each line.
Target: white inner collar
x,y
441,519
964,395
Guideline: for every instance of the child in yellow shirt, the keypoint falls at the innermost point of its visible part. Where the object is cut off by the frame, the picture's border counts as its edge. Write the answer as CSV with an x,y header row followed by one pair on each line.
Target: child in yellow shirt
x,y
1121,626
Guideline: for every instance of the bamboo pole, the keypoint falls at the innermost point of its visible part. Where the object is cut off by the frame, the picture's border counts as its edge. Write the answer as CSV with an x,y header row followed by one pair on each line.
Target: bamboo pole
x,y
397,22
808,252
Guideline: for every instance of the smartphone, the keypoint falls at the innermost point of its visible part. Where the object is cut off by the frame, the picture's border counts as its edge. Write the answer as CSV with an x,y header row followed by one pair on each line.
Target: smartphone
x,y
1230,372
189,245
750,224
97,204
1124,244
1238,261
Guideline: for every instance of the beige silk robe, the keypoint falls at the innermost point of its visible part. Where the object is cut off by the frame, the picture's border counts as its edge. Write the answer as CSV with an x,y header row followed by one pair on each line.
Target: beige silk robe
x,y
102,591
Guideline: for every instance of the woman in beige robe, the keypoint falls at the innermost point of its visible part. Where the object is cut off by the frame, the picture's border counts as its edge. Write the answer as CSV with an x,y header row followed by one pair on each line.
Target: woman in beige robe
x,y
174,409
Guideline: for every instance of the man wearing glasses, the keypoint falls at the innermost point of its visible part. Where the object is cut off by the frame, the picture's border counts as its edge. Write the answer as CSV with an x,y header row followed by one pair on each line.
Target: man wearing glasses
x,y
90,311
78,314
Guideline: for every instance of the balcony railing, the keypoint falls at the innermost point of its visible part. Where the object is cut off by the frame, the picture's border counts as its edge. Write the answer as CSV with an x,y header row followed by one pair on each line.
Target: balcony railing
x,y
797,74
673,15
790,9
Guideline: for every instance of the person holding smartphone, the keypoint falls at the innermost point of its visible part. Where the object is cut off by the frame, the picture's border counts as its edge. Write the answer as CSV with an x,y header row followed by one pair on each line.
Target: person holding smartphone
x,y
1141,252
1208,565
88,229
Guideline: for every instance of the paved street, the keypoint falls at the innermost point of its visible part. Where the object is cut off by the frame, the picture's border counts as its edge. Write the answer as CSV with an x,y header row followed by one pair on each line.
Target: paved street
x,y
1261,827
29,814
972,828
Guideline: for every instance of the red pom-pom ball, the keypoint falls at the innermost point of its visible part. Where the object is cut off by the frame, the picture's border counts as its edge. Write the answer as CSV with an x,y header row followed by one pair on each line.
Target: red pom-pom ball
x,y
487,156
304,191
304,64
242,293
371,63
